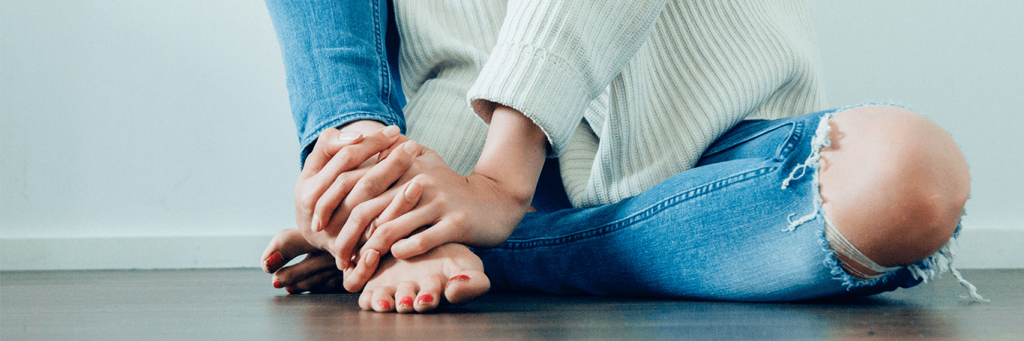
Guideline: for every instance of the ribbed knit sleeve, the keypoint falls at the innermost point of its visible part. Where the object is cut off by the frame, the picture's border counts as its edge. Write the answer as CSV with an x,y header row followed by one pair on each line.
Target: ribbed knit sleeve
x,y
553,57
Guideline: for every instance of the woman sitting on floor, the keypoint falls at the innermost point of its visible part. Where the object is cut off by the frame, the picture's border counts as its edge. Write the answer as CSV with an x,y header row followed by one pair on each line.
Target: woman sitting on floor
x,y
645,148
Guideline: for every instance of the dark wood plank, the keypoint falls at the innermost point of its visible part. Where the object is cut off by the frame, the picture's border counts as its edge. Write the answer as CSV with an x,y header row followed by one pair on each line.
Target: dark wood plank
x,y
240,304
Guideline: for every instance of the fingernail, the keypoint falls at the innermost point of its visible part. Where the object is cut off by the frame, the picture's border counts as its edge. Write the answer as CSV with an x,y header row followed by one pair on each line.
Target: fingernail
x,y
291,290
459,278
278,285
424,299
410,146
349,136
274,261
385,305
315,223
410,191
405,301
391,131
371,257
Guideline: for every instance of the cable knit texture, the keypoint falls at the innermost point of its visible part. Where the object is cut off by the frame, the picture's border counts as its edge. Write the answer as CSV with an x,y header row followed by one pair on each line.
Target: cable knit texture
x,y
629,93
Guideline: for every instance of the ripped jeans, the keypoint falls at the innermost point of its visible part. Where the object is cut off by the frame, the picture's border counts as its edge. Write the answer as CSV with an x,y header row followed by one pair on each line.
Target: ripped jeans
x,y
745,225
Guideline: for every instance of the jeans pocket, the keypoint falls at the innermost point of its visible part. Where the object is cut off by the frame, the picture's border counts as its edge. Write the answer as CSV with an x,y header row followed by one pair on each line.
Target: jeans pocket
x,y
754,139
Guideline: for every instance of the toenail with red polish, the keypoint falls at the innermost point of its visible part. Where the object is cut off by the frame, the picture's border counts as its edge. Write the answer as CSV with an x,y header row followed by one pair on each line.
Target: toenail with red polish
x,y
274,261
460,278
423,299
278,285
385,305
405,301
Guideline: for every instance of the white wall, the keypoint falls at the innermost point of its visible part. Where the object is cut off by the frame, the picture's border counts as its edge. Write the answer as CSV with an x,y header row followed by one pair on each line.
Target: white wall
x,y
959,63
140,134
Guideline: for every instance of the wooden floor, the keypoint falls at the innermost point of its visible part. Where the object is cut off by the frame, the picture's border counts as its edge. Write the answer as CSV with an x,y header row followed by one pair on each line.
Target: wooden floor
x,y
241,305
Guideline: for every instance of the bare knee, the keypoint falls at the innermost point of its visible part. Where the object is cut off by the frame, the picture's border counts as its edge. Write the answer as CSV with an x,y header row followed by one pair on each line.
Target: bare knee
x,y
893,182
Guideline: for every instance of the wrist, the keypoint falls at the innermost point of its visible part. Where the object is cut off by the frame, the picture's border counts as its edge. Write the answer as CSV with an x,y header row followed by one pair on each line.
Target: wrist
x,y
362,126
513,155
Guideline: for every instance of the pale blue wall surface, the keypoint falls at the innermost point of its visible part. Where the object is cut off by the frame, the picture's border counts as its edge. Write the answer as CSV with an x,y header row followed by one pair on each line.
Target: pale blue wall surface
x,y
136,119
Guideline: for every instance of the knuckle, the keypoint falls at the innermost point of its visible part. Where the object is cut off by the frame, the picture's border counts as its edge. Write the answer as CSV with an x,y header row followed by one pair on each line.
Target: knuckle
x,y
424,180
346,154
347,179
369,184
306,203
457,219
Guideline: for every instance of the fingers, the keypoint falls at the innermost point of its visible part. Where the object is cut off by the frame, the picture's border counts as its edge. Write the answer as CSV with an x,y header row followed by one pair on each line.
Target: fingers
x,y
329,201
327,144
348,158
355,278
420,243
285,246
382,176
402,204
399,206
359,222
385,236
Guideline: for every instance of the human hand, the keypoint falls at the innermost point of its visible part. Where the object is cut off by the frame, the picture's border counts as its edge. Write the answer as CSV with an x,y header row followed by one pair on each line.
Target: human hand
x,y
437,206
332,172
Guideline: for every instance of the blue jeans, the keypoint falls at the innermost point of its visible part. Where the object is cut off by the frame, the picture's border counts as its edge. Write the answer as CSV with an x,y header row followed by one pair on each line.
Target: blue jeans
x,y
723,230
720,231
341,62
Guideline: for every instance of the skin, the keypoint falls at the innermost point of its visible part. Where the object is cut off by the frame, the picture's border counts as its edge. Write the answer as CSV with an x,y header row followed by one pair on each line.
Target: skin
x,y
892,181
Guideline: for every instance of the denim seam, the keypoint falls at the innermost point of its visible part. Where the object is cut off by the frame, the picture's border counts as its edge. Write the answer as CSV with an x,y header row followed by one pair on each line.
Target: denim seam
x,y
794,138
340,121
642,215
346,119
382,58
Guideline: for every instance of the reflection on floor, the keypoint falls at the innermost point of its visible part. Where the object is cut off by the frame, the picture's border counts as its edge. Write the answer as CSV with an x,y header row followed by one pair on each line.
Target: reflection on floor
x,y
239,304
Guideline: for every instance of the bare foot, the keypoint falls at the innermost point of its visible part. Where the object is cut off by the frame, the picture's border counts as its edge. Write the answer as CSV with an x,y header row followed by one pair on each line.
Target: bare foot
x,y
316,273
417,283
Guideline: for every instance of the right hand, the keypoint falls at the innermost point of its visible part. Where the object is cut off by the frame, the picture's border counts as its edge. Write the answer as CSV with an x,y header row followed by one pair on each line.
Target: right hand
x,y
332,182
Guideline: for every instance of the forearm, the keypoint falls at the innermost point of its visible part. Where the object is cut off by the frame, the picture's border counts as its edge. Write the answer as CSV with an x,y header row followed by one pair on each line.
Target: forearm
x,y
513,154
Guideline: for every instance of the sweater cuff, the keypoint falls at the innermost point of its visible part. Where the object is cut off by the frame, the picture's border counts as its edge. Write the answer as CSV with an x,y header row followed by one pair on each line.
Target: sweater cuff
x,y
541,85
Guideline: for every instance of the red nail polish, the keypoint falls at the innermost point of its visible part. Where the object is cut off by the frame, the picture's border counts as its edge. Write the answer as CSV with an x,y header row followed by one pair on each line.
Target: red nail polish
x,y
459,278
274,261
278,285
385,305
405,301
291,290
425,299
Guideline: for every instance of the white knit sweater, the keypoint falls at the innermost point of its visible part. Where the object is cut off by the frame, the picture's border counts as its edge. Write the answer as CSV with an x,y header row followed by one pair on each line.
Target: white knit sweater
x,y
629,93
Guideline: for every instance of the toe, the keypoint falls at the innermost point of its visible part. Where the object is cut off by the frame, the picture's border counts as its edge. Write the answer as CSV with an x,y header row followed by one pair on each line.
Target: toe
x,y
383,299
365,298
465,287
315,281
405,296
286,245
429,295
315,266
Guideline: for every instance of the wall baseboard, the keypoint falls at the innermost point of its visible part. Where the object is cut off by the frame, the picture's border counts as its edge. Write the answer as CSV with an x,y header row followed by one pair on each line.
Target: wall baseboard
x,y
132,253
982,248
